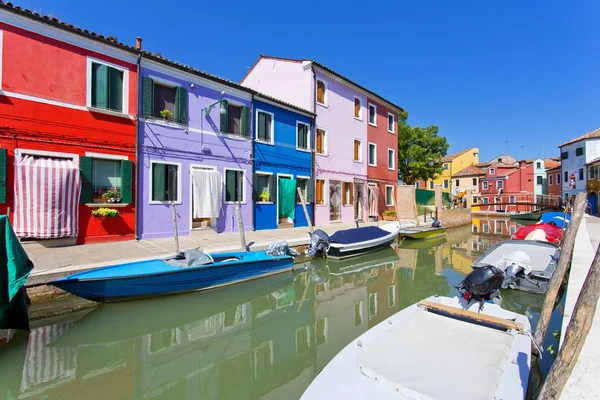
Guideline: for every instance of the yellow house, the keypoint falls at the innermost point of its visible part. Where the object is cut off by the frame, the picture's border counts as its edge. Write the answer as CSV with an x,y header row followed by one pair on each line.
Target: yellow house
x,y
593,185
452,164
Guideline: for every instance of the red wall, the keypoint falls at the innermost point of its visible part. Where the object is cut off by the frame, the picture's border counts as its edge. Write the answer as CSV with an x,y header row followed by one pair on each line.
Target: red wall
x,y
384,140
48,69
555,188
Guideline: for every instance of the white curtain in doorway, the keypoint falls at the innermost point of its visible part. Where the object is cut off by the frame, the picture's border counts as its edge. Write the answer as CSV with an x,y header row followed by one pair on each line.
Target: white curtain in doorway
x,y
208,193
373,201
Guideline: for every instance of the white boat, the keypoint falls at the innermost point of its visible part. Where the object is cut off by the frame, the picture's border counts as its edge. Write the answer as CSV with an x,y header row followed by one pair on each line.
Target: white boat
x,y
440,348
353,242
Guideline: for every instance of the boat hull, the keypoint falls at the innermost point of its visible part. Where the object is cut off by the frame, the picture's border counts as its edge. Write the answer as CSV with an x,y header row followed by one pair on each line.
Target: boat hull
x,y
420,234
180,280
338,251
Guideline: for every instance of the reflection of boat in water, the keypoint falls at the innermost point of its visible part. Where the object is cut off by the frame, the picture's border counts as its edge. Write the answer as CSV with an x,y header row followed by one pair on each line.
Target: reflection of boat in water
x,y
422,232
367,261
526,218
423,244
411,354
135,318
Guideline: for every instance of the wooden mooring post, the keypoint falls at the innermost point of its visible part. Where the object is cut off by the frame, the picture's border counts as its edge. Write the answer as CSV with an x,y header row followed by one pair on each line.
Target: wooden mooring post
x,y
238,214
175,230
563,262
577,331
301,196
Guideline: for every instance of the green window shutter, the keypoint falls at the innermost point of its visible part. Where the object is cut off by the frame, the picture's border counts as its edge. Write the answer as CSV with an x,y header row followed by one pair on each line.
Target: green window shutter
x,y
172,183
115,89
224,117
310,191
147,97
230,184
181,105
99,85
255,188
245,121
86,170
3,157
273,188
126,181
159,182
262,126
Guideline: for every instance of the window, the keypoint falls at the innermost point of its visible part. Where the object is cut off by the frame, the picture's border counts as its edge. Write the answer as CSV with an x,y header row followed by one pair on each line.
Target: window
x,y
445,167
372,114
348,193
417,185
566,176
164,101
538,165
264,187
558,179
474,200
391,123
264,126
431,185
263,360
305,188
372,305
106,177
474,181
302,340
234,120
580,174
457,182
445,183
357,108
485,228
579,151
321,331
484,185
564,155
550,179
321,143
499,159
475,230
372,154
358,313
320,191
538,179
500,185
485,200
321,92
107,89
512,199
391,296
391,157
234,185
591,173
302,142
357,150
492,171
389,195
165,182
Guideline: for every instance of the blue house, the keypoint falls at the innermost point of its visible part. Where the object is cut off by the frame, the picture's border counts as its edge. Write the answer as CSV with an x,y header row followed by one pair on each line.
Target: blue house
x,y
282,163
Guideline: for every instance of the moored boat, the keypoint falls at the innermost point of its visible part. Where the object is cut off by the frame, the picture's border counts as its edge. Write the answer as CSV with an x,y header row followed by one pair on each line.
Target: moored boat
x,y
197,271
422,232
439,348
526,218
559,218
546,232
353,242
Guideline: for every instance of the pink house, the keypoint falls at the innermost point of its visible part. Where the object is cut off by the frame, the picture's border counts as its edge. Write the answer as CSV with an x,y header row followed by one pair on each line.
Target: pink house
x,y
507,184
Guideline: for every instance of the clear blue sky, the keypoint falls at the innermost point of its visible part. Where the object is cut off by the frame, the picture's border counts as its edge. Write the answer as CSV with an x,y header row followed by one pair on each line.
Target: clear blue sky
x,y
505,76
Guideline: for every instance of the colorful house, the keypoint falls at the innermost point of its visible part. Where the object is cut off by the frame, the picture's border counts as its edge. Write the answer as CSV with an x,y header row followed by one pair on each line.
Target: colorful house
x,y
340,131
382,157
452,164
468,179
575,154
195,150
282,163
553,176
593,185
506,184
68,130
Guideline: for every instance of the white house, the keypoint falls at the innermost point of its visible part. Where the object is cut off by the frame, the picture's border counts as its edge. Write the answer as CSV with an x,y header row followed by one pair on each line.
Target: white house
x,y
575,154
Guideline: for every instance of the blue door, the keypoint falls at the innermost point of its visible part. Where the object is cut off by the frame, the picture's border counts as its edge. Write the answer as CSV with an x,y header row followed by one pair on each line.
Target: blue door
x,y
593,202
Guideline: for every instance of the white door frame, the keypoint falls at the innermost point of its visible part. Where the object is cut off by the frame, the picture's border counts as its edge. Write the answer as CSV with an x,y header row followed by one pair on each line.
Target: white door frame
x,y
213,221
291,176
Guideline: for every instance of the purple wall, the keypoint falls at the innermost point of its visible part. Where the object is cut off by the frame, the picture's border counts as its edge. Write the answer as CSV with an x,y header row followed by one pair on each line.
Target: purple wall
x,y
198,144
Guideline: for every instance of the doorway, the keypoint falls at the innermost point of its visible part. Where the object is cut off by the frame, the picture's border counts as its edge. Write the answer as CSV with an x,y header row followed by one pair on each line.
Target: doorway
x,y
335,200
286,201
206,196
359,201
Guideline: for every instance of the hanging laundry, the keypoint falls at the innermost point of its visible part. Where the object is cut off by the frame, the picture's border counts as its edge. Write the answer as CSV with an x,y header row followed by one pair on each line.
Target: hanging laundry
x,y
208,193
287,198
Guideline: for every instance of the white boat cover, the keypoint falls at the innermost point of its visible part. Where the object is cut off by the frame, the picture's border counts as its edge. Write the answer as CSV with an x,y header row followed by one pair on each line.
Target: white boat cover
x,y
537,234
540,253
466,361
518,257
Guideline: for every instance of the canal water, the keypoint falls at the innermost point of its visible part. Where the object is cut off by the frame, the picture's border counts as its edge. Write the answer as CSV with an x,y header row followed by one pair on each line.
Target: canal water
x,y
263,339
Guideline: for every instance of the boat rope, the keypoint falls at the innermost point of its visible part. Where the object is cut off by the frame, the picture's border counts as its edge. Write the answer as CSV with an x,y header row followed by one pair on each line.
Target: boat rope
x,y
533,341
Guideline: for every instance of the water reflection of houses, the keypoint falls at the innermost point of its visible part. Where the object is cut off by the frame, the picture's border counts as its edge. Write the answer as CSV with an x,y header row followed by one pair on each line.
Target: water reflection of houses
x,y
489,231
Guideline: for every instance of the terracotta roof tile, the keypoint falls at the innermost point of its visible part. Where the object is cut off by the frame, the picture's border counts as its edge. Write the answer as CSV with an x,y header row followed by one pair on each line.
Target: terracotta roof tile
x,y
469,171
451,157
589,135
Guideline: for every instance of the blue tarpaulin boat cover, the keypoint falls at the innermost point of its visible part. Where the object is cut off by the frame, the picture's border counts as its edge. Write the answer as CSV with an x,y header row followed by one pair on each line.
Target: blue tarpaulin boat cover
x,y
557,217
358,235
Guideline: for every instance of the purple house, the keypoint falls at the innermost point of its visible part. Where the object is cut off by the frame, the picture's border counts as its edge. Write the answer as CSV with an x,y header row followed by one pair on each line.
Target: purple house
x,y
195,150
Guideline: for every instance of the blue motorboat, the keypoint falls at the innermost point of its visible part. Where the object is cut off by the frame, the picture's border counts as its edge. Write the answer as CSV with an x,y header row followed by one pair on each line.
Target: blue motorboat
x,y
559,218
189,271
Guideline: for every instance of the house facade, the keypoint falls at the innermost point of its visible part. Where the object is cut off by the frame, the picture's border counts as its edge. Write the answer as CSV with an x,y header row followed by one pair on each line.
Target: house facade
x,y
68,129
593,185
554,180
340,130
382,157
452,164
468,179
575,154
505,186
195,150
282,163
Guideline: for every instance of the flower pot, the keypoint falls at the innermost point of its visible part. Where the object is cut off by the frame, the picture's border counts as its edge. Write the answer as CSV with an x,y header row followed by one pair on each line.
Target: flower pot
x,y
389,217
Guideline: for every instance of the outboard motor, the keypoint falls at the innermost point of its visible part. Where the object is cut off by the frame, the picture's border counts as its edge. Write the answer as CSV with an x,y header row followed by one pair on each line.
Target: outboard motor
x,y
482,284
319,242
512,274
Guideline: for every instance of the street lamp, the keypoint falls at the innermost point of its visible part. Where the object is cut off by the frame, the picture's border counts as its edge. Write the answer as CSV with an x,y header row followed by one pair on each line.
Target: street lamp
x,y
208,109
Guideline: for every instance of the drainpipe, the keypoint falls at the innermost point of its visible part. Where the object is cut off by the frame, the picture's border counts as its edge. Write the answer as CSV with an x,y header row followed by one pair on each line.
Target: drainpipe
x,y
253,160
138,46
314,144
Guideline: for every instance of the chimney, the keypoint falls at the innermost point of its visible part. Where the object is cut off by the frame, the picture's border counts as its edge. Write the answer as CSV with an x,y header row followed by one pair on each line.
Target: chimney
x,y
138,43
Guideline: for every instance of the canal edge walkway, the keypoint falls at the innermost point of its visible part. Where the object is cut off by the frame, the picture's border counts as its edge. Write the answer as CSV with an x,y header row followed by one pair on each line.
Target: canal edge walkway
x,y
583,382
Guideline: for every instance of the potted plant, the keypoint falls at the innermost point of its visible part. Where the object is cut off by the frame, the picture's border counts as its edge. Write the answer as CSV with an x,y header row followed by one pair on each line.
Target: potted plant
x,y
111,196
389,215
104,212
166,114
264,196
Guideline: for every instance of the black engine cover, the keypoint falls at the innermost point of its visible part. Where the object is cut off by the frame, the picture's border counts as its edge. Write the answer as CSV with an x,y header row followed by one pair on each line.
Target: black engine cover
x,y
482,282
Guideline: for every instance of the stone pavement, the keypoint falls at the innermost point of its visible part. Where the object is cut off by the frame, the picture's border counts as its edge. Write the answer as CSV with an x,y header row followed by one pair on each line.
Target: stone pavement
x,y
53,262
583,382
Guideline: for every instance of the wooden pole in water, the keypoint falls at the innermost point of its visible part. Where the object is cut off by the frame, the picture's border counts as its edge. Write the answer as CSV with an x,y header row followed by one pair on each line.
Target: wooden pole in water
x,y
563,262
414,192
301,196
175,231
576,333
238,214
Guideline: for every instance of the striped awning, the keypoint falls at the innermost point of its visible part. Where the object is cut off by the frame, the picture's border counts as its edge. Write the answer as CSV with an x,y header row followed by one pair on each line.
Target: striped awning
x,y
46,198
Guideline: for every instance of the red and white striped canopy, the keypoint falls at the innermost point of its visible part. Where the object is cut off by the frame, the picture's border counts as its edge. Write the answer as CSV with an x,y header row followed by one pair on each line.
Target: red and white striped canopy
x,y
46,197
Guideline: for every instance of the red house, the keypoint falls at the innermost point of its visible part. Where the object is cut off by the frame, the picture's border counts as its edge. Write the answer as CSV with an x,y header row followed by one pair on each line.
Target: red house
x,y
507,184
553,178
68,102
382,155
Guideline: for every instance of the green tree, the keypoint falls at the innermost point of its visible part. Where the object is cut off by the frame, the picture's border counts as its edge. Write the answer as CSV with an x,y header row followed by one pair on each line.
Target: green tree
x,y
416,148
